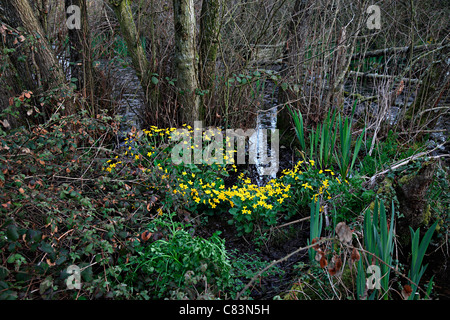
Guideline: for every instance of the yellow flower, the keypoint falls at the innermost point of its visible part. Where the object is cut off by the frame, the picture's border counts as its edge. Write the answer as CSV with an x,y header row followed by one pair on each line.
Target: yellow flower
x,y
307,186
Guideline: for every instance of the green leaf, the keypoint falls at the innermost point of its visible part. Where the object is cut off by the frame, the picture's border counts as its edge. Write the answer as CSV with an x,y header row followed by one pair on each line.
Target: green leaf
x,y
11,232
3,272
89,248
155,80
34,235
47,248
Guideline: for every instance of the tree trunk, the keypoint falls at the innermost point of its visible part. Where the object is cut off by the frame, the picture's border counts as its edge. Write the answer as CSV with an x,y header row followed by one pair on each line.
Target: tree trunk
x,y
209,41
122,9
80,51
41,70
185,59
294,55
41,6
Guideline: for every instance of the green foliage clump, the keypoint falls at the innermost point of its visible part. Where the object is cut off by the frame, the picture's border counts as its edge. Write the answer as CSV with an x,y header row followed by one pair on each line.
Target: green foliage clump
x,y
59,208
178,265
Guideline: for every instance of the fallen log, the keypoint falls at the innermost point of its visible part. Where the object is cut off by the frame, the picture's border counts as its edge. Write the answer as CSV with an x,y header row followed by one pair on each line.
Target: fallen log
x,y
389,51
382,76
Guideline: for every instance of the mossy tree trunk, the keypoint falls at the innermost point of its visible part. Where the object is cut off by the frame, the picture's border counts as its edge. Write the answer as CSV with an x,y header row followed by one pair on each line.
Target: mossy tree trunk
x,y
209,42
124,14
185,59
41,70
42,8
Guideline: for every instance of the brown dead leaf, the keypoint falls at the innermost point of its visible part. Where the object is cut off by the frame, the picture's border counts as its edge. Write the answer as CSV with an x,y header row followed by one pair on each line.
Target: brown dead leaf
x,y
21,190
400,88
5,124
151,202
6,205
355,255
320,256
344,233
3,29
406,292
50,264
315,247
146,235
337,265
323,261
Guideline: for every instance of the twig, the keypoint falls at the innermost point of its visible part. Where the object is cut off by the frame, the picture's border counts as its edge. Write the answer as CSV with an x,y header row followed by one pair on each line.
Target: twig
x,y
408,160
393,50
292,222
382,76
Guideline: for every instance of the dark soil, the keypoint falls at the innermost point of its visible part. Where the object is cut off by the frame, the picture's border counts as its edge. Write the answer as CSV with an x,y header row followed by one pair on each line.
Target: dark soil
x,y
281,242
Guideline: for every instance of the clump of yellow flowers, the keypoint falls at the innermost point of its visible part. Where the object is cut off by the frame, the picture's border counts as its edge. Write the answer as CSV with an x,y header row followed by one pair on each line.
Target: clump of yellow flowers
x,y
202,187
